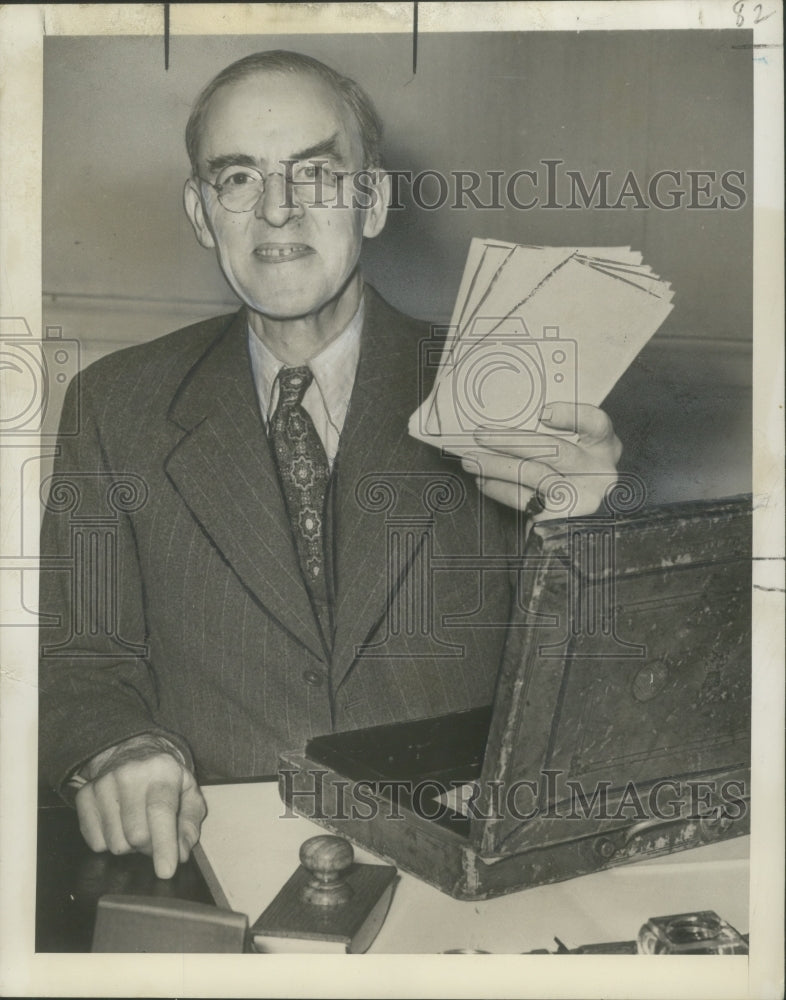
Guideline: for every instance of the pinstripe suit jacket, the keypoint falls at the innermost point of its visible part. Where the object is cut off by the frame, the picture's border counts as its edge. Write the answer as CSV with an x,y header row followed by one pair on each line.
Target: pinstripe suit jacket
x,y
171,590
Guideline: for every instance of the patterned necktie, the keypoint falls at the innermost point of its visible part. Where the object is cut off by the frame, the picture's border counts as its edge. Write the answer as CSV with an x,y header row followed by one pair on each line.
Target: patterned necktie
x,y
304,472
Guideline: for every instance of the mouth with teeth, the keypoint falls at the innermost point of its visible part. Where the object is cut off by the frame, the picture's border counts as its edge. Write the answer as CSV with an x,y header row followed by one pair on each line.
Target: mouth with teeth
x,y
279,253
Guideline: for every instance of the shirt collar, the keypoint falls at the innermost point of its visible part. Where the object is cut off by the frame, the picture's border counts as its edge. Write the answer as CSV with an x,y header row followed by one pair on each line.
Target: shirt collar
x,y
334,370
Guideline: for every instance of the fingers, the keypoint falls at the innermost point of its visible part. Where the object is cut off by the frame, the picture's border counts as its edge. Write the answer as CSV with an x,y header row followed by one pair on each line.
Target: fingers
x,y
516,471
107,800
592,425
588,424
546,448
570,477
161,807
193,810
557,496
510,461
89,815
152,806
510,494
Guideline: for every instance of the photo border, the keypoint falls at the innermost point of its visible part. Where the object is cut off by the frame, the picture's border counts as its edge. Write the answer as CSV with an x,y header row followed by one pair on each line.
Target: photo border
x,y
25,973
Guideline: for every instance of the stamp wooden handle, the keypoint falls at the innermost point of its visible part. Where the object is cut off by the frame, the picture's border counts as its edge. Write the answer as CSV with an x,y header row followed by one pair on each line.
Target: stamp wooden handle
x,y
326,858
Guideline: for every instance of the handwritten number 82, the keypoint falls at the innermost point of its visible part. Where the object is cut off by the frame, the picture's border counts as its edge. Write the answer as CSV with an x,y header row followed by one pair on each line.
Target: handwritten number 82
x,y
758,13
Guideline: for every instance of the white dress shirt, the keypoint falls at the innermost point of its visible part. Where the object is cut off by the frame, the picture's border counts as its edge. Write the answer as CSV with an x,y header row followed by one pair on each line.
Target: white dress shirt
x,y
327,398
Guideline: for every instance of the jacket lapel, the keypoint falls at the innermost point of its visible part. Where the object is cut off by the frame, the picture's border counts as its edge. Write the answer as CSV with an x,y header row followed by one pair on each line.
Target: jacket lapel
x,y
224,472
376,449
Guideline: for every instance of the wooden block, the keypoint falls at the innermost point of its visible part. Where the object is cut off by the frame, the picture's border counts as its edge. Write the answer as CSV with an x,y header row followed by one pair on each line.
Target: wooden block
x,y
329,904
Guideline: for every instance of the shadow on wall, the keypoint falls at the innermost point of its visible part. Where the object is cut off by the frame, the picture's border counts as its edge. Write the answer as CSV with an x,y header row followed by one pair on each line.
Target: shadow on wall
x,y
683,414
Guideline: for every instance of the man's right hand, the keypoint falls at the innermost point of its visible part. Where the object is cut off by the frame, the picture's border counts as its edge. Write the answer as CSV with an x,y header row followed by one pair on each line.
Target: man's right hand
x,y
141,798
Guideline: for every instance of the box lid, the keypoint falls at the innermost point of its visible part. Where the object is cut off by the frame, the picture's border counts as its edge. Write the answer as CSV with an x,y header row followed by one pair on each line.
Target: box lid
x,y
627,663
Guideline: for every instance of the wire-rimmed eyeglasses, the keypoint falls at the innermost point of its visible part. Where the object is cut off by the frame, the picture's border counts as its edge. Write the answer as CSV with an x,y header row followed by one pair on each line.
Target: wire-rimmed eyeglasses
x,y
313,182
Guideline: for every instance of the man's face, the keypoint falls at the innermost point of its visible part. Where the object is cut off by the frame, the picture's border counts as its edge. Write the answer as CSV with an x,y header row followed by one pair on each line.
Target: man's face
x,y
285,258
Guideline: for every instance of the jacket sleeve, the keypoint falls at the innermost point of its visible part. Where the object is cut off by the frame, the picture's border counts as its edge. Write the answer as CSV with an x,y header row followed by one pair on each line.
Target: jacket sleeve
x,y
96,685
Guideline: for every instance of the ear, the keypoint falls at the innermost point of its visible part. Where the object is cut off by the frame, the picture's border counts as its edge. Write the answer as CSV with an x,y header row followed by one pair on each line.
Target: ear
x,y
376,214
192,202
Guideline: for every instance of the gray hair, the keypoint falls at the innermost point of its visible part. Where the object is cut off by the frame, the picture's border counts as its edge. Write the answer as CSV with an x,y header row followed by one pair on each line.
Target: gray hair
x,y
281,61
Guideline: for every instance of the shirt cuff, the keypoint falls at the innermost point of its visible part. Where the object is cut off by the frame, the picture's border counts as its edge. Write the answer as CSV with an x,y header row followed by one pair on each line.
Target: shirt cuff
x,y
135,748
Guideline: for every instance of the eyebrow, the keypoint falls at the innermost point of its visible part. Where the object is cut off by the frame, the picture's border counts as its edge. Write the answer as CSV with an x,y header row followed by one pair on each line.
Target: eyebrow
x,y
323,148
327,147
217,163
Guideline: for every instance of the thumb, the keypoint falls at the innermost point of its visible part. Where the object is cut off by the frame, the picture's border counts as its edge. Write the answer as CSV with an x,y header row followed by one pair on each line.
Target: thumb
x,y
192,812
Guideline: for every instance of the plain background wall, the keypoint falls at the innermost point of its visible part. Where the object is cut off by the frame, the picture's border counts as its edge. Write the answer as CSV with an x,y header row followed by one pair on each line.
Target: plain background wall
x,y
121,264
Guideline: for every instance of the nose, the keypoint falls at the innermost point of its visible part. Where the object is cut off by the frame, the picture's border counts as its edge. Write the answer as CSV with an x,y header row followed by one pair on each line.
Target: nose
x,y
277,204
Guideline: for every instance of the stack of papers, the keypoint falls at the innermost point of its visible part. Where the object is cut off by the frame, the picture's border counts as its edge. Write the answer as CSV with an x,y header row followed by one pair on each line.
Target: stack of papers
x,y
536,325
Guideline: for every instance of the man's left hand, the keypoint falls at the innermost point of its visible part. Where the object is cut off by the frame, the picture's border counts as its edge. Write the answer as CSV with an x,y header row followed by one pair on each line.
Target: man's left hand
x,y
513,469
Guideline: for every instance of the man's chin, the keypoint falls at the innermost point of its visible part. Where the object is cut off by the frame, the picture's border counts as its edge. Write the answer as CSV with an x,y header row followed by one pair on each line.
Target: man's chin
x,y
283,312
277,304
297,299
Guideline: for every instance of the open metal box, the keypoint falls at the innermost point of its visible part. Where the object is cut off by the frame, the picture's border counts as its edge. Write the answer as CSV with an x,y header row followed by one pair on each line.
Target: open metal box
x,y
620,727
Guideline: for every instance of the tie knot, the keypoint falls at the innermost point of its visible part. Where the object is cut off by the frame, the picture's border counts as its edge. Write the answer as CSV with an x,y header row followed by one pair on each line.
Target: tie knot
x,y
292,384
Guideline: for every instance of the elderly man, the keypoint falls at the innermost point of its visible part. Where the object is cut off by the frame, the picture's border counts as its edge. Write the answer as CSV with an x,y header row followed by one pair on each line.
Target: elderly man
x,y
251,580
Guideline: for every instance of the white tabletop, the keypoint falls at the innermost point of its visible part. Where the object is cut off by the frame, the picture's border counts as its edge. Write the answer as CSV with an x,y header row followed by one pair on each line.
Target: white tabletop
x,y
249,848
